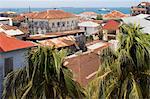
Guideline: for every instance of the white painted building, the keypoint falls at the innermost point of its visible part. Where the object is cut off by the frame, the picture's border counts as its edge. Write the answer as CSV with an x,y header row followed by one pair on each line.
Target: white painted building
x,y
6,20
142,20
89,27
13,55
51,21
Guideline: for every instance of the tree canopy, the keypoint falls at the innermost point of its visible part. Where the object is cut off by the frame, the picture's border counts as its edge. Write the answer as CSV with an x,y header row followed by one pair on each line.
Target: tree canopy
x,y
125,73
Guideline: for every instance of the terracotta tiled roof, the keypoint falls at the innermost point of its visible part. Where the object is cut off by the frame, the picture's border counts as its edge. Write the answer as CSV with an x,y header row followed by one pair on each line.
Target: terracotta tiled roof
x,y
11,43
84,65
114,15
29,15
59,42
18,18
111,25
50,14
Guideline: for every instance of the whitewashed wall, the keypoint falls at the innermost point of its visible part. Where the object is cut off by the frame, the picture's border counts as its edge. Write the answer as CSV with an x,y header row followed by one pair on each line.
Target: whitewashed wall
x,y
19,60
90,30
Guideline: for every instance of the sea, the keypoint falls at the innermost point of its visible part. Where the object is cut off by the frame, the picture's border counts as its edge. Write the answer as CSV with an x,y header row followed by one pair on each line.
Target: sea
x,y
125,10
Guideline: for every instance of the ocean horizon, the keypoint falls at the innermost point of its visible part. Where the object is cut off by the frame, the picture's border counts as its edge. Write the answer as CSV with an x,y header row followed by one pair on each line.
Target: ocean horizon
x,y
74,10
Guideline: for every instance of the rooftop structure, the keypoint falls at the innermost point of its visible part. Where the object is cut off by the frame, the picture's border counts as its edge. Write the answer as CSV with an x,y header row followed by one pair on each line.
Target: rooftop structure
x,y
18,18
111,25
59,42
49,14
10,43
84,65
114,15
54,35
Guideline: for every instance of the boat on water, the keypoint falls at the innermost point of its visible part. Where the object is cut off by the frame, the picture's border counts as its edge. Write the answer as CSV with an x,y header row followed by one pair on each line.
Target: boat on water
x,y
104,9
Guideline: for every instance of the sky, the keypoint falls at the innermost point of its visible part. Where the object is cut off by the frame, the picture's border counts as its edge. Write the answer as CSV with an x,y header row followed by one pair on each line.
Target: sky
x,y
67,3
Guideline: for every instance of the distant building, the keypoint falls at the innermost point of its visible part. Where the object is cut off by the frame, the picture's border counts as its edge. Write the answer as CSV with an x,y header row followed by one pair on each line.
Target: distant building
x,y
6,20
88,15
8,14
89,27
142,8
12,31
50,21
110,30
114,15
12,55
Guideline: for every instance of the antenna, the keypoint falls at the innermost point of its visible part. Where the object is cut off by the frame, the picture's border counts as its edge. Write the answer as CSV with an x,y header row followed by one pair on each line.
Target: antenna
x,y
29,8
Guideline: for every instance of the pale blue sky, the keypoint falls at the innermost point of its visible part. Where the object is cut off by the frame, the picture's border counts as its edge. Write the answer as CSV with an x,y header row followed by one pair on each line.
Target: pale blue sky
x,y
68,3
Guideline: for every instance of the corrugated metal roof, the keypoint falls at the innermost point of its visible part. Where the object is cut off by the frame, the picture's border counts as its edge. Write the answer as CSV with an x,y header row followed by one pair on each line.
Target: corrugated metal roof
x,y
59,42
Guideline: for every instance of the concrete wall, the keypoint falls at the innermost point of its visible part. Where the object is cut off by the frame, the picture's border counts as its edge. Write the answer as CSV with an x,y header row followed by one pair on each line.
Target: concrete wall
x,y
19,60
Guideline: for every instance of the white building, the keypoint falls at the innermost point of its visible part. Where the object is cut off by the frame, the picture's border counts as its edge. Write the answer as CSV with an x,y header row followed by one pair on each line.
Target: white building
x,y
142,20
89,27
6,20
12,55
51,21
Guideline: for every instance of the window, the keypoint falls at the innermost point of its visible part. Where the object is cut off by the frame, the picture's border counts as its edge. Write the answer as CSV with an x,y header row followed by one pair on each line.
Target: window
x,y
53,25
68,22
58,24
8,65
63,24
35,23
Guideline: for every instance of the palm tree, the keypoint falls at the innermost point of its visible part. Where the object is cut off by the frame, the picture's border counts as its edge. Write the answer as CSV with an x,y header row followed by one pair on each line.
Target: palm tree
x,y
125,73
44,78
